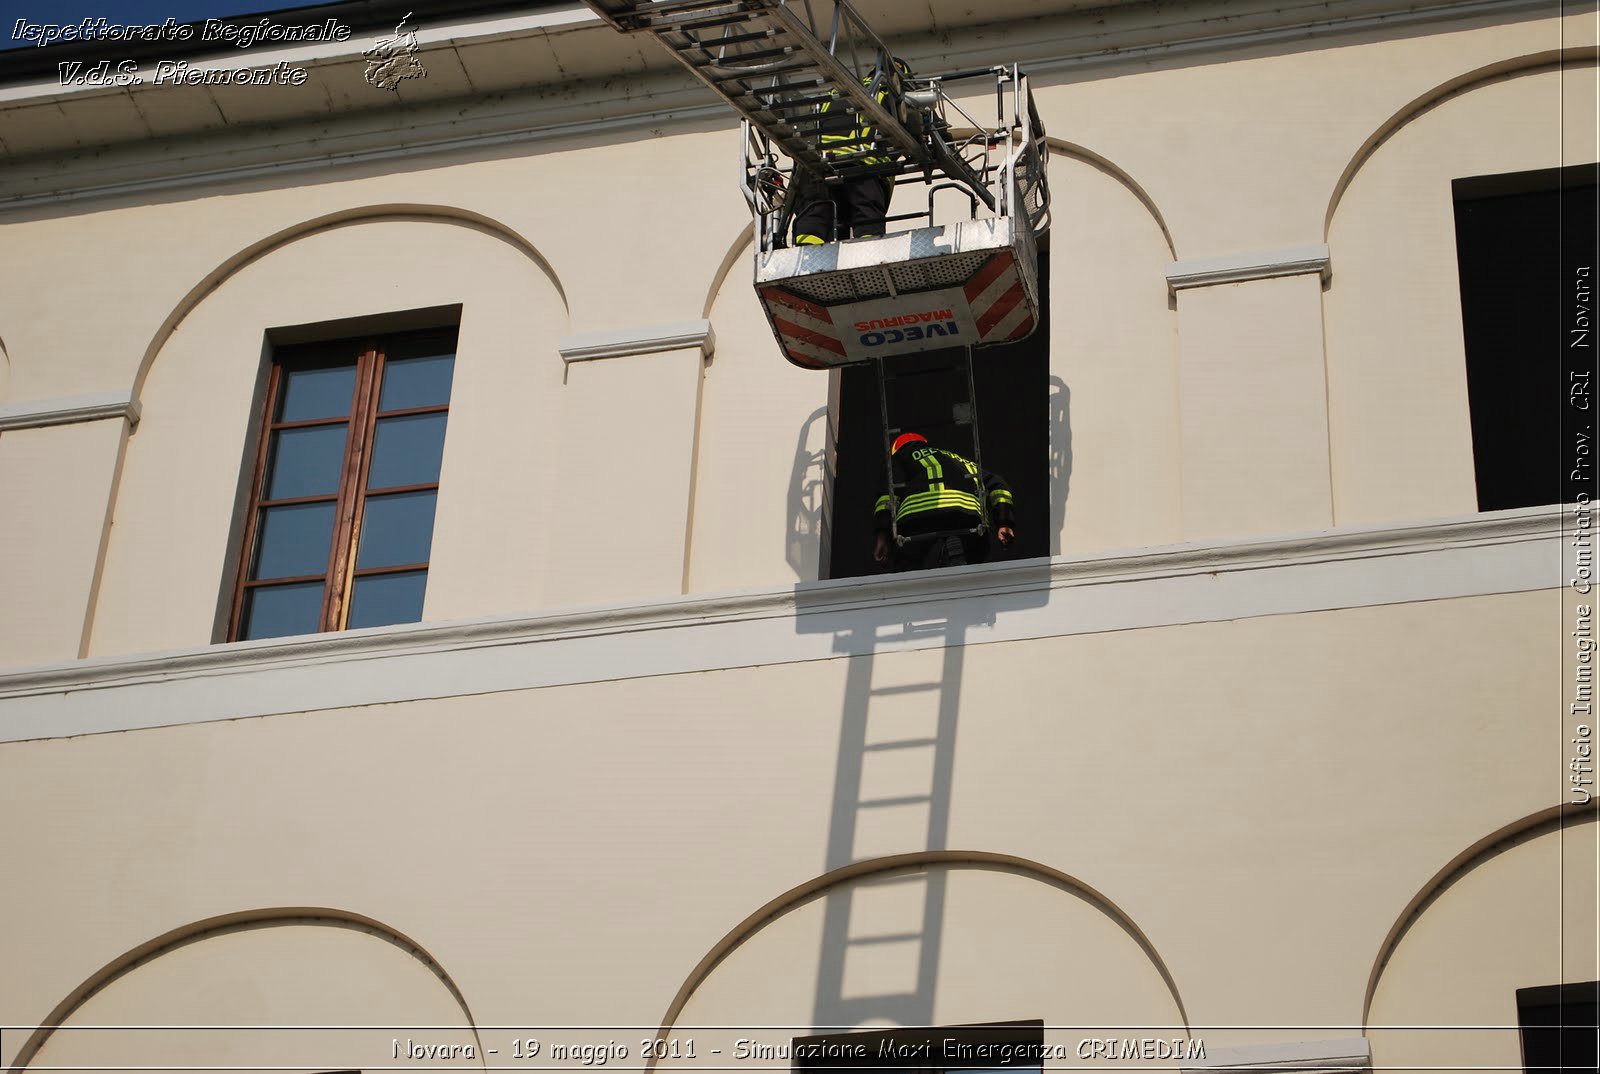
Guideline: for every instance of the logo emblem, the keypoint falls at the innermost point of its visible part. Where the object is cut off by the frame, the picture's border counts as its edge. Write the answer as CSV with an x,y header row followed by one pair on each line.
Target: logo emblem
x,y
394,59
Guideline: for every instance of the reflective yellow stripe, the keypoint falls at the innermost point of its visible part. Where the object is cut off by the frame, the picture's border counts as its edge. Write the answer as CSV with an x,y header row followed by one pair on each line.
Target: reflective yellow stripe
x,y
1000,496
882,505
945,499
808,240
858,140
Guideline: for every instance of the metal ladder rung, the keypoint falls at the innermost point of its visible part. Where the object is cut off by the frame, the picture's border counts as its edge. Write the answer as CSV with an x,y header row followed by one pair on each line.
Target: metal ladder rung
x,y
729,40
912,374
860,154
765,93
799,102
777,119
733,76
707,22
782,50
797,124
654,11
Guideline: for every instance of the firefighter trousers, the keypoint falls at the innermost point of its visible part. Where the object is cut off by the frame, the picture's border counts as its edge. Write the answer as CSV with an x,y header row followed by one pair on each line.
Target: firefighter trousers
x,y
857,206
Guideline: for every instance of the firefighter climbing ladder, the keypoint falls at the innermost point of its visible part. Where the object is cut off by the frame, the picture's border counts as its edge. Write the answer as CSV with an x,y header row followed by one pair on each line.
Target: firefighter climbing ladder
x,y
941,402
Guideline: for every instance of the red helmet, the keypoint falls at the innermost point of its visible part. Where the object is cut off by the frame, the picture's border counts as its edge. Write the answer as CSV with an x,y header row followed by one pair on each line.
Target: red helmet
x,y
907,438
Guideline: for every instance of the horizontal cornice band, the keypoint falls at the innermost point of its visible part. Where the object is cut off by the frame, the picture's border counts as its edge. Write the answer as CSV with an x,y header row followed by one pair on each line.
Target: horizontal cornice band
x,y
68,410
1506,552
643,339
1238,268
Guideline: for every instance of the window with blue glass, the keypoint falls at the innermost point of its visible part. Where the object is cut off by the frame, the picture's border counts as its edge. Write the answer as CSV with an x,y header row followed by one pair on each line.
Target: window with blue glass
x,y
340,523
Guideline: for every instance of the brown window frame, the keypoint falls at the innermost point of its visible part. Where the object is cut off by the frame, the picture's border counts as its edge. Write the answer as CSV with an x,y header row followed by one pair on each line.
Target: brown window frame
x,y
350,500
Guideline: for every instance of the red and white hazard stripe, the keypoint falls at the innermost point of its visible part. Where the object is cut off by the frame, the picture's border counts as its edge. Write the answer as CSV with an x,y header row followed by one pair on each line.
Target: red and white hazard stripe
x,y
804,328
999,301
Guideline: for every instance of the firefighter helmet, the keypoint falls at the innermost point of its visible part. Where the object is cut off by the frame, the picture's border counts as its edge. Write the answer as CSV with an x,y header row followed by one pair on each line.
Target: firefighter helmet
x,y
907,438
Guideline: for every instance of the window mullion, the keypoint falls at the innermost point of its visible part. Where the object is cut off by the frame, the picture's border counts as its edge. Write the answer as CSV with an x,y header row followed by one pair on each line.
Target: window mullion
x,y
336,609
257,491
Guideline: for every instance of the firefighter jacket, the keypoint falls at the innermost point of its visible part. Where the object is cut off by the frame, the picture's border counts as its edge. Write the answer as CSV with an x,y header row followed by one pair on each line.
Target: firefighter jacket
x,y
841,143
940,490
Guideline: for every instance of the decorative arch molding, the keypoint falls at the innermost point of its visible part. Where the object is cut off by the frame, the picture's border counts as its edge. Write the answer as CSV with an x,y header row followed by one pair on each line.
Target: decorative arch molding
x,y
1115,171
396,212
745,237
1544,822
813,889
194,932
1500,71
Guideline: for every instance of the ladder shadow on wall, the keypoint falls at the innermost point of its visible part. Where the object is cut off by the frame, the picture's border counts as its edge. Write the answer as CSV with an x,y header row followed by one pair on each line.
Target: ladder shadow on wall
x,y
892,796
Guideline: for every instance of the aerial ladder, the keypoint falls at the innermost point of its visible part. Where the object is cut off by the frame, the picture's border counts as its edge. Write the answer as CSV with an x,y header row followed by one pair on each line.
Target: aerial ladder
x,y
800,70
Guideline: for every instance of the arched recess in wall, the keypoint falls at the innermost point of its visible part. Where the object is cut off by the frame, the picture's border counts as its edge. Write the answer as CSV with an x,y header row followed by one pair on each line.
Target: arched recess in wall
x,y
281,966
758,425
1508,912
1399,430
199,387
1072,150
1114,388
397,211
1513,67
1010,939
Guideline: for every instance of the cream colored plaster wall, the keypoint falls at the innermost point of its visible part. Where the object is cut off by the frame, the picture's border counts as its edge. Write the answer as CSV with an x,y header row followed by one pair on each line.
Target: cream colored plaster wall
x,y
54,483
291,972
763,433
617,507
1114,415
1401,438
180,481
1254,445
1257,797
1520,918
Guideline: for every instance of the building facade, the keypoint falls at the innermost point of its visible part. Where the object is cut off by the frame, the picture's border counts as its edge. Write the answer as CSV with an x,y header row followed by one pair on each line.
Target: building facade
x,y
1276,741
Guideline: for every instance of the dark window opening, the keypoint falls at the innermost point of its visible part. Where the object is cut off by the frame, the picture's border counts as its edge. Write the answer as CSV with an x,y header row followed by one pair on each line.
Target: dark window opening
x,y
1013,407
339,527
1016,1047
1560,1025
1526,252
